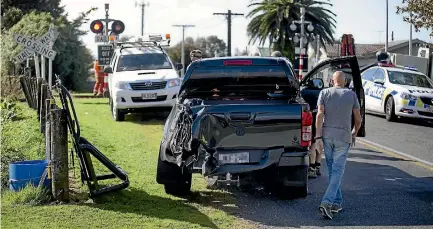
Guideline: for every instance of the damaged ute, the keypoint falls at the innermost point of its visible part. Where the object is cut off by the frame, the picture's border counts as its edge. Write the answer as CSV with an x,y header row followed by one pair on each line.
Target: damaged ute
x,y
241,118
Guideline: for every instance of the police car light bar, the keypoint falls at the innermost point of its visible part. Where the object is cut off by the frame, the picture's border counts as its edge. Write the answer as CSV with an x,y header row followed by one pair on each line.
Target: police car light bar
x,y
410,68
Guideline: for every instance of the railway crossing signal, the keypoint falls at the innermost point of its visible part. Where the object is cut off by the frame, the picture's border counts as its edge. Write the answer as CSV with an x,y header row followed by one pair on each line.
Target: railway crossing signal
x,y
97,26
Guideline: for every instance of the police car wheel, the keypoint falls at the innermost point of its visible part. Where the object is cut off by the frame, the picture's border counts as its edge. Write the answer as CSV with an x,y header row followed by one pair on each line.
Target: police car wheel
x,y
390,109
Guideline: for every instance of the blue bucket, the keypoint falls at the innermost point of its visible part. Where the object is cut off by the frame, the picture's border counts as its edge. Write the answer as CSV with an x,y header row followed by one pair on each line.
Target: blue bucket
x,y
22,173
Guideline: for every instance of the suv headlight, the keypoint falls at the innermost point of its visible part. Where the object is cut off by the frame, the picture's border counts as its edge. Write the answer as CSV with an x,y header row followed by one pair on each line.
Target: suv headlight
x,y
408,96
123,86
173,83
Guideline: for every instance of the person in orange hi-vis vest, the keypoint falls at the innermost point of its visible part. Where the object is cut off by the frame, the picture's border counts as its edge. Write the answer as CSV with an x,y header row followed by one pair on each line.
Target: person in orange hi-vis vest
x,y
99,77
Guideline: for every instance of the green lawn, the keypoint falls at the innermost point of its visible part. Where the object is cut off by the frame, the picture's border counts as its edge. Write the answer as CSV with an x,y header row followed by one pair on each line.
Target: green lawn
x,y
133,145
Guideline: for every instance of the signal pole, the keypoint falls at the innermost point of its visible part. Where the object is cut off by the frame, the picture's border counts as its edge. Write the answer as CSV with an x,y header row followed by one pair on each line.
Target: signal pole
x,y
386,41
183,46
229,15
142,5
107,7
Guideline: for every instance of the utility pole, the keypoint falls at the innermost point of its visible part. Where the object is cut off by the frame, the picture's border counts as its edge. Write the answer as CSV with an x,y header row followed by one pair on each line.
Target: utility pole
x,y
410,38
183,46
107,7
229,15
318,49
142,5
386,41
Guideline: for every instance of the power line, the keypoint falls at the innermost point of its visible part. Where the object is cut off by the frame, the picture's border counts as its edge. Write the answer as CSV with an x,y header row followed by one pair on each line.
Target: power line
x,y
229,15
183,46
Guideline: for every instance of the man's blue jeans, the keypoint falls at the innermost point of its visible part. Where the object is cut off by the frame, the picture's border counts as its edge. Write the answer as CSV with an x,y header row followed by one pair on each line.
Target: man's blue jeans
x,y
336,154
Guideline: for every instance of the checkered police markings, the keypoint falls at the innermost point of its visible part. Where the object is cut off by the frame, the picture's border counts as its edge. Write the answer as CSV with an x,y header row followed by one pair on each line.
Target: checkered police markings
x,y
375,91
41,45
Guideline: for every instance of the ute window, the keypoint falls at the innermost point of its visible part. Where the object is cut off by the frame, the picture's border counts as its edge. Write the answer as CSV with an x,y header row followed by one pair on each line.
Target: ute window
x,y
410,79
146,61
241,82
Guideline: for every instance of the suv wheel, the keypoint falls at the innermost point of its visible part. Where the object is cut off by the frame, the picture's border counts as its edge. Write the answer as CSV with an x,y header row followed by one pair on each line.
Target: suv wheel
x,y
390,109
117,114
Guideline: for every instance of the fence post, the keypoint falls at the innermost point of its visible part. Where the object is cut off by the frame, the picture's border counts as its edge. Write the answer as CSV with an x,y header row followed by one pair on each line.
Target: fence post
x,y
38,96
59,155
25,89
43,109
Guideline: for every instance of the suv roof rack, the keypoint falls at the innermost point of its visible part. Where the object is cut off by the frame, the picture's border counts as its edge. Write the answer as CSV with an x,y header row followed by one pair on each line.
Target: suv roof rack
x,y
154,41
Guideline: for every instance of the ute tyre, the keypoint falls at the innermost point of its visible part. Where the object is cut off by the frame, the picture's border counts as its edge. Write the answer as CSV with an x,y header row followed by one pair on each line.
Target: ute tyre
x,y
176,182
390,109
117,114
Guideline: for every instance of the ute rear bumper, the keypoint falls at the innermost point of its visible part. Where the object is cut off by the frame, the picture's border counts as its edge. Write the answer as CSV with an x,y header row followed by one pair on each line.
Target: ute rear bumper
x,y
260,160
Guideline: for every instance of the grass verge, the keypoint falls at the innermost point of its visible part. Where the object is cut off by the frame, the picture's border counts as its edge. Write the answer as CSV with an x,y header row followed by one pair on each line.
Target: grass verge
x,y
133,145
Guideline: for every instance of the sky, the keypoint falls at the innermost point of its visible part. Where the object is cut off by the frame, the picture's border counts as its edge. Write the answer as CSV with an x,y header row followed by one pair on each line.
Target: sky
x,y
365,19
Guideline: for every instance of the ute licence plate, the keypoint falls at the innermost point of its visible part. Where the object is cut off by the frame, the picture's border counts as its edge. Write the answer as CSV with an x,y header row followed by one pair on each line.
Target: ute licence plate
x,y
149,96
234,158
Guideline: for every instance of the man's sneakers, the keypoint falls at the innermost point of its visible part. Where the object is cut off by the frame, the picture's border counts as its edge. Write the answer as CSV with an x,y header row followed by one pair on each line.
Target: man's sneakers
x,y
335,208
325,208
312,172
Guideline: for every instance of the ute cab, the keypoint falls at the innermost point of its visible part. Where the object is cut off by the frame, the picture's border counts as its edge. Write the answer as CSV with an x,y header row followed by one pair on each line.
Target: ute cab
x,y
142,77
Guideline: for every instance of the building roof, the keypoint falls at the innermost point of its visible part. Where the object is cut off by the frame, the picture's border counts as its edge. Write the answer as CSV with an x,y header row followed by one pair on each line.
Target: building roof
x,y
368,50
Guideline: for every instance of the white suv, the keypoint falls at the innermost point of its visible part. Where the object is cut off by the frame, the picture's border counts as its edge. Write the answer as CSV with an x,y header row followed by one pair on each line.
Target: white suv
x,y
141,77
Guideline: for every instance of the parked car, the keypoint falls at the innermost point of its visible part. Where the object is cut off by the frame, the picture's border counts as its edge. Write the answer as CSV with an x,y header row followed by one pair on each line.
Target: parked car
x,y
397,91
141,78
245,117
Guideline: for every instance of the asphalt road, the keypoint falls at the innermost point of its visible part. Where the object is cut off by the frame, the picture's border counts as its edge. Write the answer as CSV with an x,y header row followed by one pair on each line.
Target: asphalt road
x,y
408,136
379,191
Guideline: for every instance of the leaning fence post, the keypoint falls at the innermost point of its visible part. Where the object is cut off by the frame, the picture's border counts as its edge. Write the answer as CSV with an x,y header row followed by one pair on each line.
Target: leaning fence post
x,y
59,155
25,89
38,96
43,109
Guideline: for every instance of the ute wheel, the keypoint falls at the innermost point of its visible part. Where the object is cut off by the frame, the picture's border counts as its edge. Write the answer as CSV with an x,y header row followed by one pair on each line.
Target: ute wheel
x,y
176,180
117,114
390,109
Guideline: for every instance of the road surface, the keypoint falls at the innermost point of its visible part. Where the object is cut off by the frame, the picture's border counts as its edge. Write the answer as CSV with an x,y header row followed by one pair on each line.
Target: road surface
x,y
379,191
408,136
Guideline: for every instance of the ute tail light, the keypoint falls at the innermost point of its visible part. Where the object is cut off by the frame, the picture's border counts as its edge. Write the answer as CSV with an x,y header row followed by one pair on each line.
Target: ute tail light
x,y
307,128
237,62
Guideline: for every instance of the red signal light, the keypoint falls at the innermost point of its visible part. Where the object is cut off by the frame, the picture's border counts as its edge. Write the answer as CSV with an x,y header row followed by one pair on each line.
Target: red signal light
x,y
117,27
97,26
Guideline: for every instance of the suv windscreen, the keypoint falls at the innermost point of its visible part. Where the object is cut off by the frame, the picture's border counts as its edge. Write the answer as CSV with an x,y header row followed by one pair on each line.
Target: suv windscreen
x,y
146,61
240,82
410,79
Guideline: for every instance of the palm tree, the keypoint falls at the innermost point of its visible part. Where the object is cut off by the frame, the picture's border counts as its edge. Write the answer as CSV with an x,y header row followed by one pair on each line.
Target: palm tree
x,y
271,20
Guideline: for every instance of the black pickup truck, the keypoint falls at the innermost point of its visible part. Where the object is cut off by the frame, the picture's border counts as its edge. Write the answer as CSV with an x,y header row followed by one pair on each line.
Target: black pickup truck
x,y
246,117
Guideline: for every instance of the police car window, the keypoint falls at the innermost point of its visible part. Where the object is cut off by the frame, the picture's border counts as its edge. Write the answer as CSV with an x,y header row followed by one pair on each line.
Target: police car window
x,y
368,75
145,61
410,79
379,75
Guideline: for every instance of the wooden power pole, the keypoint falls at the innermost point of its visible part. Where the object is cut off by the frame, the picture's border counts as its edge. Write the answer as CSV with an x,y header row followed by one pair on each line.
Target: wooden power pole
x,y
229,15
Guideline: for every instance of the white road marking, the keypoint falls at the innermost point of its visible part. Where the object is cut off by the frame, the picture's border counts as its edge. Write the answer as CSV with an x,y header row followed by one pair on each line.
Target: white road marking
x,y
367,142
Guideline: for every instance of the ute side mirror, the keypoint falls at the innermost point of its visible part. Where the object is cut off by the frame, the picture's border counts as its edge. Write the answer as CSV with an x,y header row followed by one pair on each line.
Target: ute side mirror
x,y
108,69
179,66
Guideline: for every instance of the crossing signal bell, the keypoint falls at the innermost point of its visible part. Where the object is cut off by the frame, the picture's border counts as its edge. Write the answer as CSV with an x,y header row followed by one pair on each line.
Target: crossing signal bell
x,y
117,27
97,26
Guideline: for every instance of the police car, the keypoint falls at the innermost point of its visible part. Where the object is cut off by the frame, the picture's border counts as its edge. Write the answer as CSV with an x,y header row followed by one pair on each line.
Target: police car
x,y
397,91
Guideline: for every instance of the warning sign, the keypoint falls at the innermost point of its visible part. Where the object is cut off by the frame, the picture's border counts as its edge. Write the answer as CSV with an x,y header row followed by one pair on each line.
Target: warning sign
x,y
105,52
